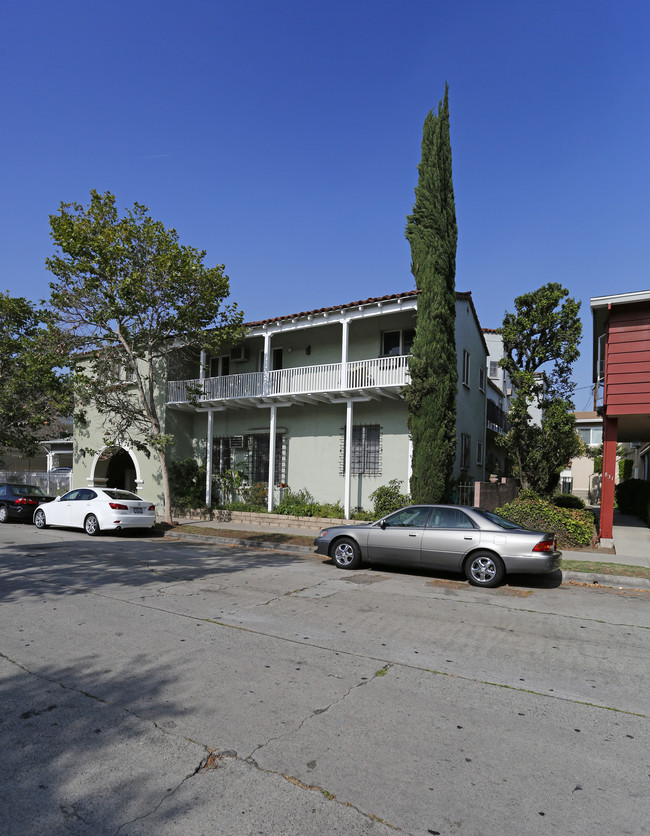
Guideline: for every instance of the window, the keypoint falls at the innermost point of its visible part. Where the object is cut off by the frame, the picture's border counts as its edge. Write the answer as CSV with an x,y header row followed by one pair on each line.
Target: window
x,y
493,369
449,518
466,367
365,452
591,436
465,448
220,366
275,363
481,379
479,452
259,458
394,343
411,517
221,455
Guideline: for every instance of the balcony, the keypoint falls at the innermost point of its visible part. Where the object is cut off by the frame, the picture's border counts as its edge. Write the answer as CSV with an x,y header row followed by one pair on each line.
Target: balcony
x,y
383,377
497,419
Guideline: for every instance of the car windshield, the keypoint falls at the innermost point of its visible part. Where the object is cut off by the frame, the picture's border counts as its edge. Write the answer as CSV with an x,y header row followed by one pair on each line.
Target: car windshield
x,y
496,519
26,490
114,493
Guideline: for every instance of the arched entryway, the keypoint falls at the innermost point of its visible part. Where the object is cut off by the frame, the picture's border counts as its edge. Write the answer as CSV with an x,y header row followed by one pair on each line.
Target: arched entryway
x,y
116,467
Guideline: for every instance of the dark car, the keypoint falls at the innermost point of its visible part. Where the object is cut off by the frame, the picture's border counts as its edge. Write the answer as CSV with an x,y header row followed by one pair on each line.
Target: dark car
x,y
18,502
478,543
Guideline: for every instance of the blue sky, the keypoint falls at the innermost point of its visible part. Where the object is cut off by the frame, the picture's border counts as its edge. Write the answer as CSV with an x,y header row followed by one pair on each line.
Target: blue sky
x,y
283,137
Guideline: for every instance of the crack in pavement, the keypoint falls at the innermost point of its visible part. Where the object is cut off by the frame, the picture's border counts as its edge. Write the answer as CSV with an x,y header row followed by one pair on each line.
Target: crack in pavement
x,y
318,711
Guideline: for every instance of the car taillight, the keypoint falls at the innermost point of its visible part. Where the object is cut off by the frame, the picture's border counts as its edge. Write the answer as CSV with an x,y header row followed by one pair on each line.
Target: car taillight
x,y
151,508
117,507
546,545
26,501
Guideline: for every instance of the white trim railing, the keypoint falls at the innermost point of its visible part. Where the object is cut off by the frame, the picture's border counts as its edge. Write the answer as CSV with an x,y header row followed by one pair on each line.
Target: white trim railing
x,y
379,373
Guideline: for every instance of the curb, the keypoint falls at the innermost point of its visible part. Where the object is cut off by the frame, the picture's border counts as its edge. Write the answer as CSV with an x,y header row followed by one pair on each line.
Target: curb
x,y
231,541
593,579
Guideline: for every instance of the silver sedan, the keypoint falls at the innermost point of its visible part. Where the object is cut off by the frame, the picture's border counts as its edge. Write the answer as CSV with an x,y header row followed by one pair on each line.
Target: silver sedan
x,y
479,543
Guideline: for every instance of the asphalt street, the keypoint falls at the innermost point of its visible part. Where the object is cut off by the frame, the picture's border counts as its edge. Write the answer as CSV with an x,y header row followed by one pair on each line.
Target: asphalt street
x,y
157,687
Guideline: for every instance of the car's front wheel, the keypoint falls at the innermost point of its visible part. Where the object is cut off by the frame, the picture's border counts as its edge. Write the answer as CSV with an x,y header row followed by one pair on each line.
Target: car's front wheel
x,y
484,569
91,525
39,518
4,514
346,554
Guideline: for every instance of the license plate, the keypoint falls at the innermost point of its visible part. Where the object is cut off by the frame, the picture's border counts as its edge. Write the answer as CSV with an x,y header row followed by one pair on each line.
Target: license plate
x,y
137,510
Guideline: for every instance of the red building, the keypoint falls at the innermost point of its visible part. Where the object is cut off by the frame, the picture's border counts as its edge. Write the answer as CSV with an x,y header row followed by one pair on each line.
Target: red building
x,y
622,377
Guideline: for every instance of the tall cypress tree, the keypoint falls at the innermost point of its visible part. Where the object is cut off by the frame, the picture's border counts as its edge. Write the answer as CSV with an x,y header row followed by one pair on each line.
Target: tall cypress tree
x,y
432,233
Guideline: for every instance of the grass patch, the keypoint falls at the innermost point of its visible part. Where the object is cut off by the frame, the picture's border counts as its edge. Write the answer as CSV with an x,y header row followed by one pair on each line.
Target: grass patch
x,y
253,536
589,566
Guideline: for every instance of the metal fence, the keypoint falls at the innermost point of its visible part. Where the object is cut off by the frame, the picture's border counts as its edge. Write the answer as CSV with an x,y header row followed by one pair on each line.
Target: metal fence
x,y
464,493
52,484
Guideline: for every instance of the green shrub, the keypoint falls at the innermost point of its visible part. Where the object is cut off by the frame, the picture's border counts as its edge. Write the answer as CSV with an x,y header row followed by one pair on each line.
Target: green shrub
x,y
241,505
302,504
387,499
363,516
625,469
567,500
255,495
572,527
633,497
187,484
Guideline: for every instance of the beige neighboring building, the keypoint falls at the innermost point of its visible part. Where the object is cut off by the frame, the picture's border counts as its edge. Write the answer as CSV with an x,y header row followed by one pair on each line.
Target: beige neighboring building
x,y
579,478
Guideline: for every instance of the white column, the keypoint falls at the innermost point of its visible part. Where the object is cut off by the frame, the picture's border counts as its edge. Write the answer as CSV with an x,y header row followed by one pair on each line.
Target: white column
x,y
271,483
345,341
410,466
208,459
348,457
203,366
267,361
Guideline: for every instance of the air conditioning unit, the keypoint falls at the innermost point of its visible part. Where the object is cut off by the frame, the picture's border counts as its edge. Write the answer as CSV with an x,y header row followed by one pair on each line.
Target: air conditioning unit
x,y
239,354
237,442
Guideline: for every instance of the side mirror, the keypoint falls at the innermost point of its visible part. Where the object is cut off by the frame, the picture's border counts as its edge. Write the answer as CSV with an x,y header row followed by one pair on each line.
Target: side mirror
x,y
382,525
57,499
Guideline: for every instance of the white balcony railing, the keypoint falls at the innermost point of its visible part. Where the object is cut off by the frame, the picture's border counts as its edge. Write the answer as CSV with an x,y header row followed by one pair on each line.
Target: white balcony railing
x,y
382,372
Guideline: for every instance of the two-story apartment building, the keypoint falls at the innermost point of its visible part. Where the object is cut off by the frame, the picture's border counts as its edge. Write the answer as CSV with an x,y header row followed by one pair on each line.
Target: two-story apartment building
x,y
314,400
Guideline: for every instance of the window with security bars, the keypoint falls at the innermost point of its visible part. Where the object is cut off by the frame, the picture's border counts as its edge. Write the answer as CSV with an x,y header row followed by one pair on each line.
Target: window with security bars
x,y
258,458
365,454
221,455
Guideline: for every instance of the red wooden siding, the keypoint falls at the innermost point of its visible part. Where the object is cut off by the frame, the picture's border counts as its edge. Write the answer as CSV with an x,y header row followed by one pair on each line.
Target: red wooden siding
x,y
627,368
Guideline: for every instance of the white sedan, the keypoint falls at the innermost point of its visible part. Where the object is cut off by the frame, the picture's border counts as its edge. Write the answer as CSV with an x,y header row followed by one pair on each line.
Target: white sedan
x,y
96,510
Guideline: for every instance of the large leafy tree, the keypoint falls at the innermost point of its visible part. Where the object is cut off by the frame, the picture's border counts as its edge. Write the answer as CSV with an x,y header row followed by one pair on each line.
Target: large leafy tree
x,y
131,295
34,388
540,342
431,396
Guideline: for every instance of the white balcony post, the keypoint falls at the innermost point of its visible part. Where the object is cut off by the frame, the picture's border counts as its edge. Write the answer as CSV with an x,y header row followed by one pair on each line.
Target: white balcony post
x,y
344,352
208,459
348,457
267,362
271,482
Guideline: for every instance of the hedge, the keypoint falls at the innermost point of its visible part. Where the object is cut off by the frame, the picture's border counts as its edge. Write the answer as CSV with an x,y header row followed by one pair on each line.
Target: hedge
x,y
572,527
633,497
